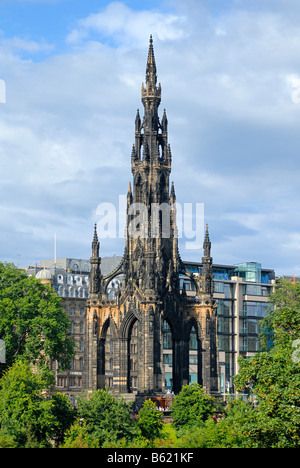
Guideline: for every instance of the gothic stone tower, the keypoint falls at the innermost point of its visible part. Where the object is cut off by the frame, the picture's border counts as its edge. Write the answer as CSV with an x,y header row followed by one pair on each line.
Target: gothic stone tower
x,y
125,336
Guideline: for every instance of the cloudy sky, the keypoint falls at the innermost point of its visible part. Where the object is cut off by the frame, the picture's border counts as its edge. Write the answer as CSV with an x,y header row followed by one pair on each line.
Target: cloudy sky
x,y
70,83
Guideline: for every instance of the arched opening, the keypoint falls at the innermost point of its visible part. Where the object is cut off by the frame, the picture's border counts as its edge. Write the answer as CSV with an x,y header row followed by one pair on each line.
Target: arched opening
x,y
138,189
106,357
168,356
163,189
195,356
132,374
114,287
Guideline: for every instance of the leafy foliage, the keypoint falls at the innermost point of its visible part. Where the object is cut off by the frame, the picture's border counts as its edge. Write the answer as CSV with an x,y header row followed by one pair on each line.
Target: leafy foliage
x,y
28,415
32,321
106,418
150,421
192,406
31,416
225,433
274,376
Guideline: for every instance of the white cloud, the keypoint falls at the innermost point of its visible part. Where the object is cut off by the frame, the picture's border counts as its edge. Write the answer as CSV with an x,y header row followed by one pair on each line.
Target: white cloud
x,y
16,44
126,26
294,83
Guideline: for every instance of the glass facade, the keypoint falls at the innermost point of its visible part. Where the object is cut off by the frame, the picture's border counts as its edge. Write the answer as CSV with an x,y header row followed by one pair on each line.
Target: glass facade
x,y
168,355
255,309
241,293
250,271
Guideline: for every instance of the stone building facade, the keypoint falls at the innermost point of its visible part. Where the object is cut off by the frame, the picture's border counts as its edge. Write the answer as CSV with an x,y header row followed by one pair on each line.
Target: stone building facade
x,y
125,336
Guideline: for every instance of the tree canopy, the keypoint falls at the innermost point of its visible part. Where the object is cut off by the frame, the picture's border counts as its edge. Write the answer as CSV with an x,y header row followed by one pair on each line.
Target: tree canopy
x,y
273,376
33,323
192,406
30,416
101,418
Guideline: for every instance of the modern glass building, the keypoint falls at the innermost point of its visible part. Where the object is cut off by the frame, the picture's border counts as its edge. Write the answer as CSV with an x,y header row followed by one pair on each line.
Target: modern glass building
x,y
242,298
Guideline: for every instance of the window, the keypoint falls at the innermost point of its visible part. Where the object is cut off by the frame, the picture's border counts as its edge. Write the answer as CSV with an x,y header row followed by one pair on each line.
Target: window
x,y
134,382
249,344
72,382
168,380
219,287
253,326
224,307
110,382
251,271
193,339
61,382
255,309
193,378
252,290
168,359
193,359
224,342
223,325
168,341
253,344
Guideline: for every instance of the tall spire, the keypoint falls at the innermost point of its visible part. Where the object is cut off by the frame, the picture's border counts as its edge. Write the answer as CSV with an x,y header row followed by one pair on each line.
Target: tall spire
x,y
95,276
207,268
207,244
151,76
95,243
151,94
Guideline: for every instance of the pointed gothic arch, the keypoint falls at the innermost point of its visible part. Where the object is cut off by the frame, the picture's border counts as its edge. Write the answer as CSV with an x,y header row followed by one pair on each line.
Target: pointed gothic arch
x,y
193,336
105,354
138,188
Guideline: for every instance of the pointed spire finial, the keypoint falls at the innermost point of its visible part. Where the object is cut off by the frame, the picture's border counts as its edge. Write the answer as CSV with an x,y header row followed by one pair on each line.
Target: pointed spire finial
x,y
172,196
207,243
95,233
95,243
151,92
151,65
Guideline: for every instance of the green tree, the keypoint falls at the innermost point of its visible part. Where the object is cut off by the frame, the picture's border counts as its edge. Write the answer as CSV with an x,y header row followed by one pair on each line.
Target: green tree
x,y
33,323
78,436
64,415
229,431
283,320
273,376
192,406
150,421
28,414
106,418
